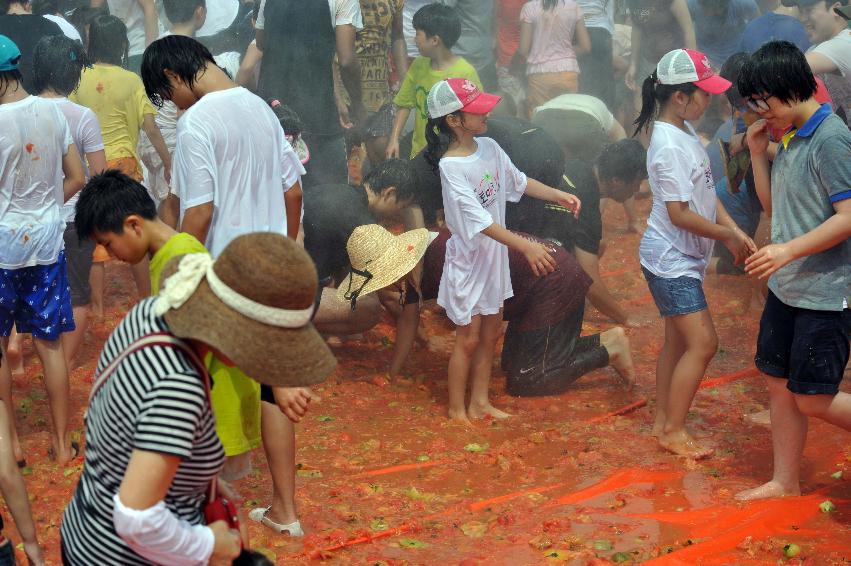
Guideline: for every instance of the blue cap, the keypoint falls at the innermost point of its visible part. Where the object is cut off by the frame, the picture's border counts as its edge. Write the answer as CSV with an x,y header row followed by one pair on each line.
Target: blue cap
x,y
10,55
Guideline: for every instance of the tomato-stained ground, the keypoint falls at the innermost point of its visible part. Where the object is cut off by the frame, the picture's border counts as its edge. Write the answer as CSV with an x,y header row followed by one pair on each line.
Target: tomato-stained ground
x,y
384,478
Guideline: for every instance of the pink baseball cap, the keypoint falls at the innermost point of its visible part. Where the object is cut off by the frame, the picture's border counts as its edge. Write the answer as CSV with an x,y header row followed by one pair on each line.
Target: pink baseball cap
x,y
452,95
682,66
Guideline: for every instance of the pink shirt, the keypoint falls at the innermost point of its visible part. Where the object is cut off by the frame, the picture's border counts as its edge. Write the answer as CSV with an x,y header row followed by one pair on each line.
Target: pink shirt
x,y
552,36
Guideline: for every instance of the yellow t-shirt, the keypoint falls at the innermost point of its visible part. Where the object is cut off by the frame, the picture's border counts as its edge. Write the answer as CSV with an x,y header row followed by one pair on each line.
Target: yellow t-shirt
x,y
235,396
414,91
117,97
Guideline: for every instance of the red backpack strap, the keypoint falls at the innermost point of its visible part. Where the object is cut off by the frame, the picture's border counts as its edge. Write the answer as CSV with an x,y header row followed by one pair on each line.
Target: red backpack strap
x,y
156,339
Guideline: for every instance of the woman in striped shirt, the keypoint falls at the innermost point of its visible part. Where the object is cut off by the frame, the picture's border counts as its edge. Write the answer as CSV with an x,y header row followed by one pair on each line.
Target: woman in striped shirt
x,y
152,450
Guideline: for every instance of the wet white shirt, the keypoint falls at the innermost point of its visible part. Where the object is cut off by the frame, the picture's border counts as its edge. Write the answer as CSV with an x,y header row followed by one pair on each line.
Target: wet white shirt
x,y
476,277
34,137
231,151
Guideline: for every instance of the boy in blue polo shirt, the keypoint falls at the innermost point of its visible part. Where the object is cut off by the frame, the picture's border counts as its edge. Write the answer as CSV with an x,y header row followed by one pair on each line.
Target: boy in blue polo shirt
x,y
803,343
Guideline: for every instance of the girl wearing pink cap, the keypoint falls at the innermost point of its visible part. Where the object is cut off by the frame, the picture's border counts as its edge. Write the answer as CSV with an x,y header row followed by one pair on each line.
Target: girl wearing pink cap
x,y
685,221
477,179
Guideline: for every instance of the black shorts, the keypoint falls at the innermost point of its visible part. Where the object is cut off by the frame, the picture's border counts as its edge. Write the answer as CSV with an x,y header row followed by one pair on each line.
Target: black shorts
x,y
808,347
78,257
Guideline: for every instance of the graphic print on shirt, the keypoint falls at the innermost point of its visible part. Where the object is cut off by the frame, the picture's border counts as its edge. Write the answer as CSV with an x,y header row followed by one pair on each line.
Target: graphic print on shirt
x,y
487,189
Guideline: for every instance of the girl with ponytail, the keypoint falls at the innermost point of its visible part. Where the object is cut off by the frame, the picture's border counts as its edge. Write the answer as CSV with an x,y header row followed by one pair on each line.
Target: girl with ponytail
x,y
477,178
685,221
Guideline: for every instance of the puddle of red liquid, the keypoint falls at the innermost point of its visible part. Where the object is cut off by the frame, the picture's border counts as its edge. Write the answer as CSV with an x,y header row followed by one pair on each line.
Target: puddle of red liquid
x,y
387,480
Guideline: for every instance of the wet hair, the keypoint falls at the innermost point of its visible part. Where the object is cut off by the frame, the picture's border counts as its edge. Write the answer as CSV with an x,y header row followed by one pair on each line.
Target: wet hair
x,y
183,56
57,64
289,119
439,20
625,160
731,70
393,173
550,4
778,69
654,97
7,78
438,135
107,200
181,11
108,40
45,7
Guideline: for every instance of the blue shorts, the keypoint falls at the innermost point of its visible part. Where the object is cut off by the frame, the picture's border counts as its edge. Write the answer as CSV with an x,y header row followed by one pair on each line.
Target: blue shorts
x,y
37,300
677,296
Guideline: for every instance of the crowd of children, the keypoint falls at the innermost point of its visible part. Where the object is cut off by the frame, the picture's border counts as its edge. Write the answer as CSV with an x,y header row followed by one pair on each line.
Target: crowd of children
x,y
136,138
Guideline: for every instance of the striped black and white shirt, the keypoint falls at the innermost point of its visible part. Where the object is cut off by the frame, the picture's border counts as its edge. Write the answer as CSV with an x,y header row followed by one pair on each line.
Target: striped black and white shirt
x,y
155,400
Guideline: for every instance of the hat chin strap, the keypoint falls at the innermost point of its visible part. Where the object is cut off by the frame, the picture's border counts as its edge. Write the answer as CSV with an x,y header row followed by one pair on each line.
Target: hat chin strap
x,y
194,267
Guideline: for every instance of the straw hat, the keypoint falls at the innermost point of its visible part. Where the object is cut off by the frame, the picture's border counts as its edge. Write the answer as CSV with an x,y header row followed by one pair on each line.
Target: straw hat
x,y
379,259
253,304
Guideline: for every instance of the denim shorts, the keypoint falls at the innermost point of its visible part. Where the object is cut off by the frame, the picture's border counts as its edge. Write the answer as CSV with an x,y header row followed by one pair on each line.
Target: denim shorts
x,y
677,296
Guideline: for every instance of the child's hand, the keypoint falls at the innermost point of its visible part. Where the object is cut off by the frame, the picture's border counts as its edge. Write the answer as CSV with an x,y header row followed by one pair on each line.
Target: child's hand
x,y
758,137
293,401
392,151
768,260
740,245
570,202
539,258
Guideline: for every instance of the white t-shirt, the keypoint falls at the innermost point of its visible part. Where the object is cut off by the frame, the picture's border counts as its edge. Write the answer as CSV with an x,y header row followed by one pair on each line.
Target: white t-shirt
x,y
582,103
231,151
130,12
69,30
476,278
599,14
343,12
838,50
678,170
220,15
85,131
34,136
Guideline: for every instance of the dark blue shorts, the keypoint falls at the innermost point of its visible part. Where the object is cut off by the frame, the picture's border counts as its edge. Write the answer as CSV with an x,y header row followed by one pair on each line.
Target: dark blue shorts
x,y
808,348
37,300
676,296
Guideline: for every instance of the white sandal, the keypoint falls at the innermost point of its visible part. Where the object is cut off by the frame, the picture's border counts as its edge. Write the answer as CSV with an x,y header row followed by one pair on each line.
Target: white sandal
x,y
259,515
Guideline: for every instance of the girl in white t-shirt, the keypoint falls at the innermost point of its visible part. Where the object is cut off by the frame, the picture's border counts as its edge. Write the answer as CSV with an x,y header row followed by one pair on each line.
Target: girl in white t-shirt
x,y
477,179
684,223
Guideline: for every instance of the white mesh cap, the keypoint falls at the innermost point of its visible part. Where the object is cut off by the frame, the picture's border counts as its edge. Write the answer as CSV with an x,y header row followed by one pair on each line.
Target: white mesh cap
x,y
682,66
676,68
452,95
442,100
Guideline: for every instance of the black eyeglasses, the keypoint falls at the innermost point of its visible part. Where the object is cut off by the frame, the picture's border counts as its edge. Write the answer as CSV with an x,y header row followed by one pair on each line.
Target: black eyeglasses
x,y
759,103
351,295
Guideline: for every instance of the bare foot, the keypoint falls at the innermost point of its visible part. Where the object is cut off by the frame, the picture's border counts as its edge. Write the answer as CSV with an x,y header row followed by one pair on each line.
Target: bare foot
x,y
681,443
761,418
459,417
767,491
620,355
482,411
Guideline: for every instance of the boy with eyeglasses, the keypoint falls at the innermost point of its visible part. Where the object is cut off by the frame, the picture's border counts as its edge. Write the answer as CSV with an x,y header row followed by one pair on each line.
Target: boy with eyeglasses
x,y
803,342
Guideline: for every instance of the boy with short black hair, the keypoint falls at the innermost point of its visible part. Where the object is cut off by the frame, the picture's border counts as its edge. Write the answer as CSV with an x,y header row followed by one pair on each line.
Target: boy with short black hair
x,y
437,28
331,213
803,342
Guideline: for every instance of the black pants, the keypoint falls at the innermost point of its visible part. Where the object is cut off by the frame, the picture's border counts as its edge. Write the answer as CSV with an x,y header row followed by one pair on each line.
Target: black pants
x,y
598,74
546,361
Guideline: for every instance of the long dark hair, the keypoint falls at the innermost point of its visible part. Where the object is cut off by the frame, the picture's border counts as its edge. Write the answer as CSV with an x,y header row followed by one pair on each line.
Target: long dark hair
x,y
654,96
108,40
550,4
438,135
